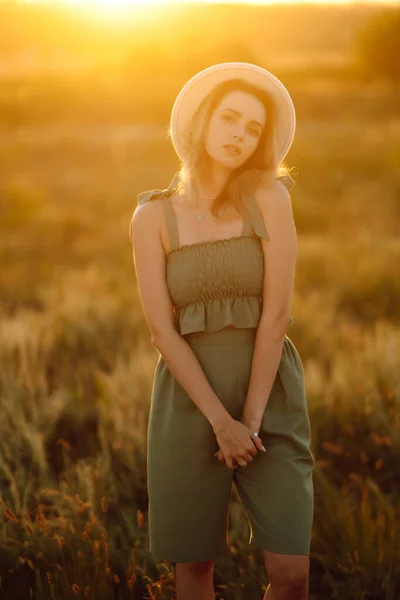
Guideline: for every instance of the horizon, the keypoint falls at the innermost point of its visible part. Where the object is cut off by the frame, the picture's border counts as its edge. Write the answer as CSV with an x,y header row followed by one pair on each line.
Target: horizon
x,y
127,5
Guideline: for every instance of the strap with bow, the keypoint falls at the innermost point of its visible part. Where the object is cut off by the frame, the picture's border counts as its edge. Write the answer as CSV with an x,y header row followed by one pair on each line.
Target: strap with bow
x,y
154,194
287,181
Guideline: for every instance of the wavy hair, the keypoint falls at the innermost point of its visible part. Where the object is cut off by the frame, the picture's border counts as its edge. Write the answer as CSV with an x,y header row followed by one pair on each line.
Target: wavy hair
x,y
262,167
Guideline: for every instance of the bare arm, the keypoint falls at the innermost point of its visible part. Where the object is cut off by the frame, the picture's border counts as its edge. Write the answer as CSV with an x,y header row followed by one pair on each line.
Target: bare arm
x,y
279,272
150,266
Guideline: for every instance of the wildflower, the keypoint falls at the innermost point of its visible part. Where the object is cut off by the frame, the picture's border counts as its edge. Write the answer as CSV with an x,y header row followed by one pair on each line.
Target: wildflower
x,y
140,518
131,581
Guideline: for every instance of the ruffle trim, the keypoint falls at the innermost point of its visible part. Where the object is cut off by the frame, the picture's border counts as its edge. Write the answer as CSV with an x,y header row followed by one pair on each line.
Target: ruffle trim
x,y
241,312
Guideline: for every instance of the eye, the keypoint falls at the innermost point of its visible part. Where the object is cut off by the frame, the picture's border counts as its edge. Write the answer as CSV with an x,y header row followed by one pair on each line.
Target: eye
x,y
253,131
227,118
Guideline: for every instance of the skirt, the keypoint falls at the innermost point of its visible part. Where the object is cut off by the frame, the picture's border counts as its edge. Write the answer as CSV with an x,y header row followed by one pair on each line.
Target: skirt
x,y
189,490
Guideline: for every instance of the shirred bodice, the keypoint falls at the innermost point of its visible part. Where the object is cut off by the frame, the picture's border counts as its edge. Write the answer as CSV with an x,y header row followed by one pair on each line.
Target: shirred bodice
x,y
225,268
215,283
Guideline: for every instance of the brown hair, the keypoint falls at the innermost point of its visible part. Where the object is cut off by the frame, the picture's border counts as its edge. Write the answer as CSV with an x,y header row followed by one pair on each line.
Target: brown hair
x,y
261,167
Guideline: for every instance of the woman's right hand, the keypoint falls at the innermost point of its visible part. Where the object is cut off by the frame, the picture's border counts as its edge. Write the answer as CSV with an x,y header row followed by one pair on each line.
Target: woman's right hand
x,y
235,441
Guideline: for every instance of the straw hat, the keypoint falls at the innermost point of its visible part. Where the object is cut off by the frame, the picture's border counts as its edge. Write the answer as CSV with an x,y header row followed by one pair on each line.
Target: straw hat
x,y
200,85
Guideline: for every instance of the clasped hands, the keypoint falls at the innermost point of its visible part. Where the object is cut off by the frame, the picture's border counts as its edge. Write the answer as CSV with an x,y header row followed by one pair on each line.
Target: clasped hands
x,y
236,444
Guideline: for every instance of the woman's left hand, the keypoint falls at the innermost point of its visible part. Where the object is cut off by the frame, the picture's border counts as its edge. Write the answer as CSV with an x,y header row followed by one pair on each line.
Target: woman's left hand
x,y
253,427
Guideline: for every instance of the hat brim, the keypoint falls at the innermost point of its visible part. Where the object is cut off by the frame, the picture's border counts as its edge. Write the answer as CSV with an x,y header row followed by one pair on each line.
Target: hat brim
x,y
198,87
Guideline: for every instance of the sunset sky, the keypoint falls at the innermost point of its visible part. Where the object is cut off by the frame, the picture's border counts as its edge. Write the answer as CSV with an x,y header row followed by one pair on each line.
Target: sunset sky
x,y
112,5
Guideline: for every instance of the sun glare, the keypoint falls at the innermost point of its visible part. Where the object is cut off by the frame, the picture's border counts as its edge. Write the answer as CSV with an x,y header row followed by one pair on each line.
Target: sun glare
x,y
110,8
118,8
110,4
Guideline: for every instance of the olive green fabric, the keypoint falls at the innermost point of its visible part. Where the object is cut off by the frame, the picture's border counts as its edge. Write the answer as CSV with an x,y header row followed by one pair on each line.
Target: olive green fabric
x,y
189,489
218,283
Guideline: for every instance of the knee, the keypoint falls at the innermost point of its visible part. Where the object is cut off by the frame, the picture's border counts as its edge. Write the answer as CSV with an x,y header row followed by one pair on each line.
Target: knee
x,y
294,580
297,580
289,577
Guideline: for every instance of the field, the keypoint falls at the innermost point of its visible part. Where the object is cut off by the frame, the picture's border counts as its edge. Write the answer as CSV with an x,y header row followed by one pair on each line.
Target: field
x,y
84,110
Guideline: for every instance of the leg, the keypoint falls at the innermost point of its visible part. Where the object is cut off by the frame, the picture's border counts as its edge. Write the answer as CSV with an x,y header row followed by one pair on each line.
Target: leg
x,y
288,575
194,580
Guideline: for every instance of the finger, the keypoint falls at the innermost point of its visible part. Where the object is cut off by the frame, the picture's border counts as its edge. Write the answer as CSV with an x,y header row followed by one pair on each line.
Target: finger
x,y
254,440
259,444
244,457
254,449
241,460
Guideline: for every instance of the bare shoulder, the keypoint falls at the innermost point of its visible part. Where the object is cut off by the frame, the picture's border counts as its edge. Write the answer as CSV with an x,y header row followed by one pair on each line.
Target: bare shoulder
x,y
148,210
146,219
273,196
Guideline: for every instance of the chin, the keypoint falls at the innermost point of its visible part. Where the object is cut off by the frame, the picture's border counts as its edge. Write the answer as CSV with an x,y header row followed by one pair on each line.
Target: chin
x,y
229,162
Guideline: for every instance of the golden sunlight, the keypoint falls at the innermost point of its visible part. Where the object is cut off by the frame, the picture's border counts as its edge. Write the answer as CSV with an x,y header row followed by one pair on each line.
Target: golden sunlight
x,y
116,8
110,8
112,5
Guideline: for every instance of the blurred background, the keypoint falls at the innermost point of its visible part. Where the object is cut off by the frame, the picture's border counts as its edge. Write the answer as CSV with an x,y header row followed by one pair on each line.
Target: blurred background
x,y
86,92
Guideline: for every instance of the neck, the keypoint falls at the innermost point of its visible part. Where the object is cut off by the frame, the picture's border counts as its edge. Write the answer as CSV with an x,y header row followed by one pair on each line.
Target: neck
x,y
219,174
214,182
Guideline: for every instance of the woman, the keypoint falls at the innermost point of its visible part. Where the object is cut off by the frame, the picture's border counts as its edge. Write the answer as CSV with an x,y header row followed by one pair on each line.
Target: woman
x,y
215,261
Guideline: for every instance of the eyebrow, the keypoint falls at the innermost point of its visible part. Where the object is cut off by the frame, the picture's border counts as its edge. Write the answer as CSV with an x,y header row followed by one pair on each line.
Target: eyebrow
x,y
240,115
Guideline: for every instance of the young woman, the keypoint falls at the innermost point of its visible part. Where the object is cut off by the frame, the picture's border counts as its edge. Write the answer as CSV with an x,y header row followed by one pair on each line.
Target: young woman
x,y
215,258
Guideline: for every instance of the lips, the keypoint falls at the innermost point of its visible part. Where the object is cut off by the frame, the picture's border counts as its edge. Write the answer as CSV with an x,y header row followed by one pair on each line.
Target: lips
x,y
234,147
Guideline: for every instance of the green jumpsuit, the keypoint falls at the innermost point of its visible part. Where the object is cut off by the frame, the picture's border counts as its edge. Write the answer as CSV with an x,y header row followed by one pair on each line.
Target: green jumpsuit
x,y
216,289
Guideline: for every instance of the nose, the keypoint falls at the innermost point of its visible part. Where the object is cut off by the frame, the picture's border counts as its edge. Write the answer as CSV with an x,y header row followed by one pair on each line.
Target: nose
x,y
239,133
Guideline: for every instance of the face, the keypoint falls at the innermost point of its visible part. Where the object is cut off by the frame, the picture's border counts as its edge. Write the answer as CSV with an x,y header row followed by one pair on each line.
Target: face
x,y
239,120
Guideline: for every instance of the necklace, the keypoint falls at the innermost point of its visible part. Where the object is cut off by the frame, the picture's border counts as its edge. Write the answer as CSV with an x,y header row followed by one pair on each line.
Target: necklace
x,y
201,217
